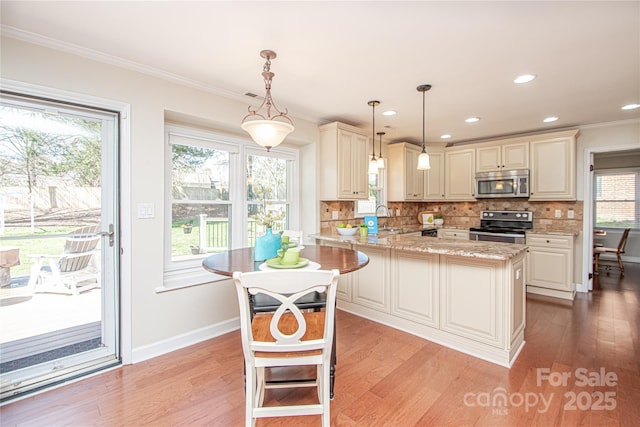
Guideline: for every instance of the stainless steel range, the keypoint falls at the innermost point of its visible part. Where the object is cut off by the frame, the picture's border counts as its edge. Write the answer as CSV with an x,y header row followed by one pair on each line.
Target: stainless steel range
x,y
502,226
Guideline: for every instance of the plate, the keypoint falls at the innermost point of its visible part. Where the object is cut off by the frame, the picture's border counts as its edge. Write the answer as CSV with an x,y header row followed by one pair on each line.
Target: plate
x,y
275,263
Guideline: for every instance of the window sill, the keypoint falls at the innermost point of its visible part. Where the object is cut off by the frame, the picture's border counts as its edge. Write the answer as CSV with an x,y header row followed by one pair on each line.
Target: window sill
x,y
187,278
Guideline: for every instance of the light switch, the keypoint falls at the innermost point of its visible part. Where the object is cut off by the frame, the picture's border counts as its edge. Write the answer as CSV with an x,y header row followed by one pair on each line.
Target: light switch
x,y
558,213
146,210
570,214
334,215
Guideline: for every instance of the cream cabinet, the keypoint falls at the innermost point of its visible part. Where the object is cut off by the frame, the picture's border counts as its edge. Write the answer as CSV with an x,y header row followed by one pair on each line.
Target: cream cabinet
x,y
415,280
553,168
459,179
405,181
370,285
343,162
550,265
472,299
453,233
434,177
498,157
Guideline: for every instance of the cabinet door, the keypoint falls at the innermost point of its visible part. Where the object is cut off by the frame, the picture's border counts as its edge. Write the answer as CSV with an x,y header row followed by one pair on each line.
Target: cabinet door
x,y
459,175
553,175
471,299
550,268
359,167
452,233
414,178
434,178
352,161
515,156
488,159
415,293
371,283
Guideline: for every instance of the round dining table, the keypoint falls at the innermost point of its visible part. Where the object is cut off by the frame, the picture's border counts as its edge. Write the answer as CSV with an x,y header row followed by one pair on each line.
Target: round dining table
x,y
342,259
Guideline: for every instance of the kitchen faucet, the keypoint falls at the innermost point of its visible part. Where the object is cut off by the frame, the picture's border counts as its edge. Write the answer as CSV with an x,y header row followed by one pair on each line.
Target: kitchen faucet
x,y
385,208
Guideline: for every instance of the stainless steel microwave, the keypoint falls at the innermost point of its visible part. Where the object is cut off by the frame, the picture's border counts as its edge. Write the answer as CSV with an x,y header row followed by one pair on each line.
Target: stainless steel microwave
x,y
513,183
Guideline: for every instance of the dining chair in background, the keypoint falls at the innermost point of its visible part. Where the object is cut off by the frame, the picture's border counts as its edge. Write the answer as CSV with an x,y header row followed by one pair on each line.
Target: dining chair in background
x,y
599,250
286,337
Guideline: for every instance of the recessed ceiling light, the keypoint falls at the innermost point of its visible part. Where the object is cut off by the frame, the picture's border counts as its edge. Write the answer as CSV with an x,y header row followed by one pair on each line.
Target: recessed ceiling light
x,y
472,119
389,113
445,136
550,119
631,106
525,78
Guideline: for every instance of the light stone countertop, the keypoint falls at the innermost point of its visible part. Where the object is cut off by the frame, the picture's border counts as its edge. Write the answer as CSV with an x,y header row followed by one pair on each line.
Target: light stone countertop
x,y
432,245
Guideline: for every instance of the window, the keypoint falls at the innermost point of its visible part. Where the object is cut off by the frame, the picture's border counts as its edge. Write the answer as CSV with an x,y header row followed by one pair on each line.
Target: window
x,y
215,186
377,195
617,199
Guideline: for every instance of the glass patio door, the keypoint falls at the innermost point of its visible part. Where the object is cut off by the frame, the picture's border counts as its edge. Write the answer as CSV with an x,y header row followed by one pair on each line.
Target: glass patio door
x,y
59,258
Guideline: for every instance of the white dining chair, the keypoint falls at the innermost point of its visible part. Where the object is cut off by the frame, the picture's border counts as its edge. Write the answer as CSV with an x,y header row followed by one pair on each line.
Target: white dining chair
x,y
286,337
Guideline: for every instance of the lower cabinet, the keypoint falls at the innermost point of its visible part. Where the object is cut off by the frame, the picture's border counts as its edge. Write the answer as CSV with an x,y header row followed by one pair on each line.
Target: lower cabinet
x,y
371,283
550,265
343,291
415,294
472,300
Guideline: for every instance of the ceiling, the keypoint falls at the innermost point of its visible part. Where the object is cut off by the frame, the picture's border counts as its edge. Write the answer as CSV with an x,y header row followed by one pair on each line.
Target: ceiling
x,y
333,57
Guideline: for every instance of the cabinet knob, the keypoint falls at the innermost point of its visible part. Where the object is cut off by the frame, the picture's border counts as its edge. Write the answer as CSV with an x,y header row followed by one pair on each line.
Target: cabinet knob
x,y
548,241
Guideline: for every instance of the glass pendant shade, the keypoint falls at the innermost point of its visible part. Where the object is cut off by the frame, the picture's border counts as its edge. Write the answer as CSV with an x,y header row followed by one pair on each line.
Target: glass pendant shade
x,y
423,161
267,133
380,163
373,167
266,128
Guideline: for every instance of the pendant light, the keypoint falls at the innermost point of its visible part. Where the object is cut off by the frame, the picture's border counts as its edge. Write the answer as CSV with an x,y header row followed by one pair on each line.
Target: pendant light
x,y
267,131
373,163
423,159
380,159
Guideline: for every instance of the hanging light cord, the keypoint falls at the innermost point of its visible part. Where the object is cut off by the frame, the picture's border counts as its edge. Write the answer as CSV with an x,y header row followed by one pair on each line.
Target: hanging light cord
x,y
373,138
423,120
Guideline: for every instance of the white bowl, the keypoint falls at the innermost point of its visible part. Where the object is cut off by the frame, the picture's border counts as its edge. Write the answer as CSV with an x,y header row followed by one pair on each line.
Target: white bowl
x,y
347,231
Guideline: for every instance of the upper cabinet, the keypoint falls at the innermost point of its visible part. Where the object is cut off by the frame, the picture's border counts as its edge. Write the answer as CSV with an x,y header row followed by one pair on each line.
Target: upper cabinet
x,y
459,175
434,177
343,162
553,167
406,182
497,157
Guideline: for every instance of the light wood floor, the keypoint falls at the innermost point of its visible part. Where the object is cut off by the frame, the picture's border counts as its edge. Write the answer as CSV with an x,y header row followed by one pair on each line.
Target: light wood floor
x,y
387,377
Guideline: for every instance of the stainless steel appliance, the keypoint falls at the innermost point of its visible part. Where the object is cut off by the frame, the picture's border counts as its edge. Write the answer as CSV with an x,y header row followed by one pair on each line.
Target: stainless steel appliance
x,y
431,232
514,183
502,226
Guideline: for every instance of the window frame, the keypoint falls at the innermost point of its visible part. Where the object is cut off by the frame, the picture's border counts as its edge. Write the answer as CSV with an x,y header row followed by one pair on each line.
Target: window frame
x,y
189,272
620,171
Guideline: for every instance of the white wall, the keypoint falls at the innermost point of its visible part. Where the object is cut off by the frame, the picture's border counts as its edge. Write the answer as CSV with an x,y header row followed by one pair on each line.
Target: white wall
x,y
157,318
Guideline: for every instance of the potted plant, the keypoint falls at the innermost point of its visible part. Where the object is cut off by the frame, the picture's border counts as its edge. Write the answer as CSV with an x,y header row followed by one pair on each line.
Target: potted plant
x,y
187,227
195,249
438,219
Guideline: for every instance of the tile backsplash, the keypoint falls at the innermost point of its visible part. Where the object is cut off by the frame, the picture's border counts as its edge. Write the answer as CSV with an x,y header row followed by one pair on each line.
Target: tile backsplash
x,y
459,214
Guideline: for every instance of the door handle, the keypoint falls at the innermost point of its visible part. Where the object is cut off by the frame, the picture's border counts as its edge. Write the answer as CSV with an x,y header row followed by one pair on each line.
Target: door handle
x,y
108,233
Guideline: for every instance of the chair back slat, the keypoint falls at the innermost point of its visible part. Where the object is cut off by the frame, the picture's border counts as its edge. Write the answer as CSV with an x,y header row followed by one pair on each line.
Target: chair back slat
x,y
288,324
623,240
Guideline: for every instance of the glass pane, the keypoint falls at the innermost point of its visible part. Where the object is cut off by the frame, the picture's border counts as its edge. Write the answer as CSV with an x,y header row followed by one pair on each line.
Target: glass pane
x,y
616,201
199,229
199,173
266,195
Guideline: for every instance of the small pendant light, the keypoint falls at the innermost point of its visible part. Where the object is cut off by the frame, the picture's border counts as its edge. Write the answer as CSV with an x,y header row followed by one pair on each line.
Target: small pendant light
x,y
373,163
423,159
380,159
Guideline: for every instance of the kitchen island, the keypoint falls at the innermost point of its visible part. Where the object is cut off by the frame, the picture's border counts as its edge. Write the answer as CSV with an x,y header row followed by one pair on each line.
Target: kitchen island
x,y
466,295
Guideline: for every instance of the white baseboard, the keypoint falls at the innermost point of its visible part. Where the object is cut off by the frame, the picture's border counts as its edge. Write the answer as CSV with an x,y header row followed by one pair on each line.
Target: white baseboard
x,y
180,341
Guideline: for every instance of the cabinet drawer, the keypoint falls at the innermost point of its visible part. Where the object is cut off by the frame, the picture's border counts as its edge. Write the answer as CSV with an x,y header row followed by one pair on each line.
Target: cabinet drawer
x,y
549,241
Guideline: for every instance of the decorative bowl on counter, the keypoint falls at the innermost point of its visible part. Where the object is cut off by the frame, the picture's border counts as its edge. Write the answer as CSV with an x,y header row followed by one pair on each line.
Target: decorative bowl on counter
x,y
347,231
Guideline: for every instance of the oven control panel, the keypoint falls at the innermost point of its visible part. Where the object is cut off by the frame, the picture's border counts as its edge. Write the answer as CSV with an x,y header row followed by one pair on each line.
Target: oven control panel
x,y
507,215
